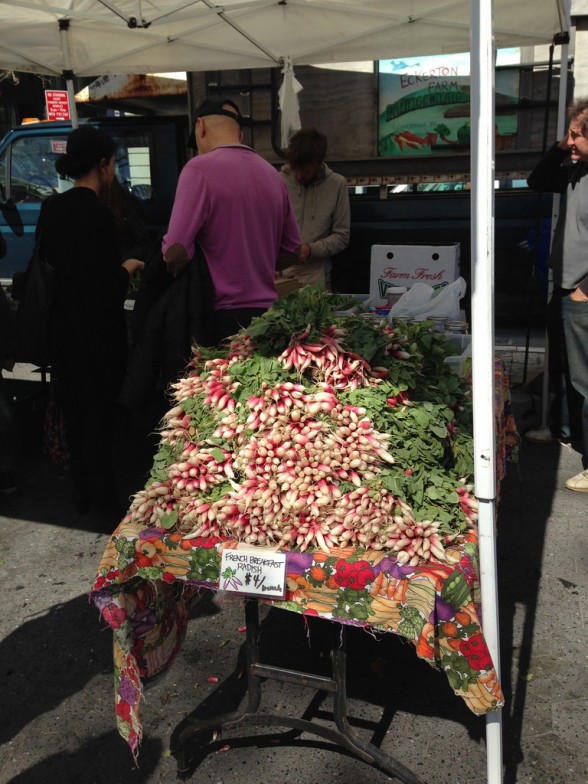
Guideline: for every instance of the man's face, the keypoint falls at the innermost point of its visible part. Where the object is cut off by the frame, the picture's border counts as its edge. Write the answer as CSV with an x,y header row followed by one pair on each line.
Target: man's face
x,y
306,174
577,139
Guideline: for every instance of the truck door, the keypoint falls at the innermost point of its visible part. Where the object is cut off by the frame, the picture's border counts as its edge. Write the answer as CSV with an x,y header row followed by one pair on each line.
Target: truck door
x,y
149,155
150,152
27,176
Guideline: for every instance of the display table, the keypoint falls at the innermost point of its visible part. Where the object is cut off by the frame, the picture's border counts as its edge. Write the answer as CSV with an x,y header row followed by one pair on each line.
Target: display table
x,y
147,577
257,672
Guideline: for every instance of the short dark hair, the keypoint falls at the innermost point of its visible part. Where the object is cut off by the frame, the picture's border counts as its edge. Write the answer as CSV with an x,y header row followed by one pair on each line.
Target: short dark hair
x,y
307,146
579,108
86,147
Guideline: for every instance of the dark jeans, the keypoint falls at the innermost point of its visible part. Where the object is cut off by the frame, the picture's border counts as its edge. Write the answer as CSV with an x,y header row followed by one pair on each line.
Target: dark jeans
x,y
7,430
575,319
227,322
566,409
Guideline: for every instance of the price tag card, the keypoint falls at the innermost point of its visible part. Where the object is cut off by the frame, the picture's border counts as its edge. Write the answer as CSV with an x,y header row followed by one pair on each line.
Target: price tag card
x,y
255,571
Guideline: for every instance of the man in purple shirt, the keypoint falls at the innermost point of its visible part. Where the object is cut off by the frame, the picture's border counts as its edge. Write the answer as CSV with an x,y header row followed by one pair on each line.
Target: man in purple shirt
x,y
235,205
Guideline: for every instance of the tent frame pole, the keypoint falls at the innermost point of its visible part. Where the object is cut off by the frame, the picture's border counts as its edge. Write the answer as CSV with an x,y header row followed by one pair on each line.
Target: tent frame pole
x,y
560,126
68,74
482,60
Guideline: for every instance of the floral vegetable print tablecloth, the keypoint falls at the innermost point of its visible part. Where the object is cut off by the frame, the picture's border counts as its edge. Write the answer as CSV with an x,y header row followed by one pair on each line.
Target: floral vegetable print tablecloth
x,y
343,442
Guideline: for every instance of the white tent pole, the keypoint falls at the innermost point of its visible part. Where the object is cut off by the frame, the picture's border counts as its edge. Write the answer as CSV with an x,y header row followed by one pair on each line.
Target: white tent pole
x,y
71,99
482,246
561,116
67,72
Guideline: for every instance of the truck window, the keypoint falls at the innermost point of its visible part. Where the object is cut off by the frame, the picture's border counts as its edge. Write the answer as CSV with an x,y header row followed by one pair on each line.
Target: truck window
x,y
149,154
30,176
32,167
134,162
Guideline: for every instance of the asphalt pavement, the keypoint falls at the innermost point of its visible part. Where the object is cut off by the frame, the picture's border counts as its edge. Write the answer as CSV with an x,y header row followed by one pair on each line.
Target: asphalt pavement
x,y
57,718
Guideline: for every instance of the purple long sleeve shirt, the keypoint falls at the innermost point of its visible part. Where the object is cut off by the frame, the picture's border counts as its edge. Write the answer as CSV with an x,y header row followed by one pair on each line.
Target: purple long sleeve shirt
x,y
236,206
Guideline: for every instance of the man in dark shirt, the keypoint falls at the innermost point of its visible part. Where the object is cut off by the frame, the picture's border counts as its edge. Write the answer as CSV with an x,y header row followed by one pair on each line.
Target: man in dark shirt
x,y
564,169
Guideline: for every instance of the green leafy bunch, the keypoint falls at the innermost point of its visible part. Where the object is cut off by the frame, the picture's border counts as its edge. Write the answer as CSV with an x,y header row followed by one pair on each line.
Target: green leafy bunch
x,y
306,309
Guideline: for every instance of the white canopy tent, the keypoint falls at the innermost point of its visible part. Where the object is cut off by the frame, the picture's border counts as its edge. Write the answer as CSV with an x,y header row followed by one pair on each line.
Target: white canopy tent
x,y
142,36
100,37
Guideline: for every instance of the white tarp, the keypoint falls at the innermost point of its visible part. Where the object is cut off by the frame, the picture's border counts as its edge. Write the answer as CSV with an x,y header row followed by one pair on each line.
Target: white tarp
x,y
199,35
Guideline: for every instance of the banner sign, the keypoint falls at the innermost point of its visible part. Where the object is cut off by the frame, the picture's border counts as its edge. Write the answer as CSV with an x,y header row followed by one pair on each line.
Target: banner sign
x,y
424,105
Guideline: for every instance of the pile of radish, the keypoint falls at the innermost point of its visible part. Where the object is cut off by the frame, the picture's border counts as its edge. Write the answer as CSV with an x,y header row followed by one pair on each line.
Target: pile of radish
x,y
312,431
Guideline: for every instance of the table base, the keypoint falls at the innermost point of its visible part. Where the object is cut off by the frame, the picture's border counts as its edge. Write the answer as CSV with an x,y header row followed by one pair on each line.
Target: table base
x,y
343,736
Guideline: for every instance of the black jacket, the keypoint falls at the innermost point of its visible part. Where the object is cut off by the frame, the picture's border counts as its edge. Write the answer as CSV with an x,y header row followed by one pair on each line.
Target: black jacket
x,y
170,314
7,329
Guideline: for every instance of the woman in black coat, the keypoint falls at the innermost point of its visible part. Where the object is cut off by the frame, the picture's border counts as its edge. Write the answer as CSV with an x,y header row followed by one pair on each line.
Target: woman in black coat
x,y
77,236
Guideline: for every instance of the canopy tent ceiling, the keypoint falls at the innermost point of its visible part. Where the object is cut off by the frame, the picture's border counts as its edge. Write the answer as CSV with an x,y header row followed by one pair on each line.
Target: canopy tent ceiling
x,y
140,36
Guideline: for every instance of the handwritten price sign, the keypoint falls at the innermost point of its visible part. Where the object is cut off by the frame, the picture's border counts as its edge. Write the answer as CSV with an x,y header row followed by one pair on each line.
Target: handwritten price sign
x,y
253,571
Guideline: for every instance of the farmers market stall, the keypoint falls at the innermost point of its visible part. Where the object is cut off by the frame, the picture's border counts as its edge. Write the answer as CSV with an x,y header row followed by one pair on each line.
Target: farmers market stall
x,y
344,444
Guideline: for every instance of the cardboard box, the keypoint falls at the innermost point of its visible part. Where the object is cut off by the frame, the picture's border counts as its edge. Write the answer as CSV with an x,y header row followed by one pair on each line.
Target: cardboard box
x,y
405,265
286,285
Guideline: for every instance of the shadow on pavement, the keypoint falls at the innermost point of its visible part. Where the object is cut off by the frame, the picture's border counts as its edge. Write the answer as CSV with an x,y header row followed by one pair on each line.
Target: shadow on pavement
x,y
101,760
49,658
525,505
382,673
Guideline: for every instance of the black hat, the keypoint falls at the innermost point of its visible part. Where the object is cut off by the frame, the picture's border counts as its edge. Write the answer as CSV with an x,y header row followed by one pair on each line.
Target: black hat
x,y
214,106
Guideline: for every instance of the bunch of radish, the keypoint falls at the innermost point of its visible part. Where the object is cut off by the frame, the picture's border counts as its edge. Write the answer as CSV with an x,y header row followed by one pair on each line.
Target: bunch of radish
x,y
281,459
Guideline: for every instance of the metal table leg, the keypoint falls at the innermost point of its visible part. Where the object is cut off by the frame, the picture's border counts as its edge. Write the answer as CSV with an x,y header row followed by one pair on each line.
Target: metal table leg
x,y
342,736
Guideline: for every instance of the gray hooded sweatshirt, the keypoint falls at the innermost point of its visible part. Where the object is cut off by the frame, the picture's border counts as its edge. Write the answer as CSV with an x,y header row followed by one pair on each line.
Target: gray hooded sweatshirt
x,y
323,214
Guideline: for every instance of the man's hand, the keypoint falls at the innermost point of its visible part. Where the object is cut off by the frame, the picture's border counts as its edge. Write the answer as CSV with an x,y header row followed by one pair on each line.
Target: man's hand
x,y
304,254
288,260
578,295
175,259
133,265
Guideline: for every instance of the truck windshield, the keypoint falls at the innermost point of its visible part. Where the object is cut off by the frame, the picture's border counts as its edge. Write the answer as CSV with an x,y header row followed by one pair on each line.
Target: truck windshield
x,y
32,168
31,176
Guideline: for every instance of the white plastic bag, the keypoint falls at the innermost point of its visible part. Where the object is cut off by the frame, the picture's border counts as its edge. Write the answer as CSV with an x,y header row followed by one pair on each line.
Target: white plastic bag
x,y
422,301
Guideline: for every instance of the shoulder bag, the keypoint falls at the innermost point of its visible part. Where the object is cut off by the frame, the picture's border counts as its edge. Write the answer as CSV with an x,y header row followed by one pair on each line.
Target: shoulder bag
x,y
34,312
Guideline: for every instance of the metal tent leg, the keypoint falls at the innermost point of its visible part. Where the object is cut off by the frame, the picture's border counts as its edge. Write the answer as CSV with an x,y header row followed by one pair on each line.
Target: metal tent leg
x,y
342,736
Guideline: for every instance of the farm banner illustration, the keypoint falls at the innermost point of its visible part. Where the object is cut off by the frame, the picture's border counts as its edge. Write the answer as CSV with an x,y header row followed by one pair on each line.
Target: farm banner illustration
x,y
424,104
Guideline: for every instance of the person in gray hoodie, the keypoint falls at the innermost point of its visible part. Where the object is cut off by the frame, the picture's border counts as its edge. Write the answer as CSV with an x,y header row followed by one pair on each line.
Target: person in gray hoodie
x,y
321,204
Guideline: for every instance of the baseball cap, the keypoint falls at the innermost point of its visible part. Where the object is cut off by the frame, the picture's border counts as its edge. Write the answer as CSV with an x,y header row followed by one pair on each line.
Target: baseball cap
x,y
214,106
